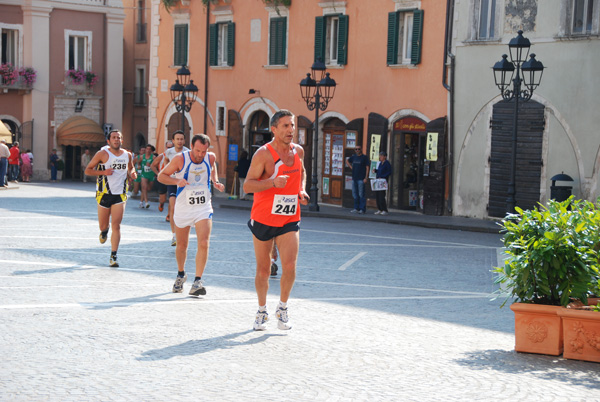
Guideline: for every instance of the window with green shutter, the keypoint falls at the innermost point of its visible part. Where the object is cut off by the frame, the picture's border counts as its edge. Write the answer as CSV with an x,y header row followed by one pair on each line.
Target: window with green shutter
x,y
331,39
277,41
405,33
180,46
417,37
221,39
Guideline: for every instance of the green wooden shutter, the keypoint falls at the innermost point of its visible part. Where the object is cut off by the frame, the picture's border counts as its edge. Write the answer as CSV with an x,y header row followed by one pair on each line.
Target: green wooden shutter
x,y
180,48
277,45
231,43
320,38
392,42
415,53
343,40
213,35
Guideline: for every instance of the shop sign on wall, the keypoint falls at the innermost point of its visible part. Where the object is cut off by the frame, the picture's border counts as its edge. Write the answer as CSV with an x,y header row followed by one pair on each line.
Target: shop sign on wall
x,y
432,144
374,147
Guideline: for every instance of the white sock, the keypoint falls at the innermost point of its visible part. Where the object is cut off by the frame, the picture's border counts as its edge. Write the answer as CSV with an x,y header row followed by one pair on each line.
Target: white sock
x,y
262,308
282,304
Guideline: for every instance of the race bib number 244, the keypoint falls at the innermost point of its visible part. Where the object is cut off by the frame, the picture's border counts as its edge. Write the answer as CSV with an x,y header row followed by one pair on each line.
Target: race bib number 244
x,y
284,204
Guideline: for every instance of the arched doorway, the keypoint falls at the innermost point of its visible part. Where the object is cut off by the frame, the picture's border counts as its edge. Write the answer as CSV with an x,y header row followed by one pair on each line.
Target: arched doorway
x,y
175,125
9,131
259,131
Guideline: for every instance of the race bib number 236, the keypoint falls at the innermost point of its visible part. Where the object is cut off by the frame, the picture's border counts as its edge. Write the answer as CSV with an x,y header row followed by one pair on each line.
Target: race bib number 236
x,y
285,204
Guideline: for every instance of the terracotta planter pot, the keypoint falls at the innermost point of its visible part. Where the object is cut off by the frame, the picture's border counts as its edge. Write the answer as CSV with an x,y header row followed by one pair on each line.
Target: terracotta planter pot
x,y
581,330
538,329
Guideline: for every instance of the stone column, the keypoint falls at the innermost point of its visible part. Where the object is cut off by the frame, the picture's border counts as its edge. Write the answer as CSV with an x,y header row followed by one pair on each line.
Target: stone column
x,y
36,53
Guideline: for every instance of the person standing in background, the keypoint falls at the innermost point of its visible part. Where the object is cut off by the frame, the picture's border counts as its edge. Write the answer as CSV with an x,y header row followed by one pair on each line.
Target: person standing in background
x,y
383,171
359,163
86,157
13,163
242,170
53,160
4,154
26,168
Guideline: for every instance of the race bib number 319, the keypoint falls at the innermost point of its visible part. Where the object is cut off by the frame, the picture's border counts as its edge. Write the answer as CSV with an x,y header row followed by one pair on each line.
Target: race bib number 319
x,y
284,204
195,197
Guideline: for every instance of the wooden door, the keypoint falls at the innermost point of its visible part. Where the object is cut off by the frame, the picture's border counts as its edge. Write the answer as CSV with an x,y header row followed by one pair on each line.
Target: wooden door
x,y
334,142
530,134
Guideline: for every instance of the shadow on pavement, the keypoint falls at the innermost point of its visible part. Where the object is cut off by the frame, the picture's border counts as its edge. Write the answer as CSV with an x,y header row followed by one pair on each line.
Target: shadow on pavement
x,y
553,368
199,346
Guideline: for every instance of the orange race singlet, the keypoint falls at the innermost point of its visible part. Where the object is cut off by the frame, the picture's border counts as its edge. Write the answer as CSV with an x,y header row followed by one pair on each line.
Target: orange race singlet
x,y
279,206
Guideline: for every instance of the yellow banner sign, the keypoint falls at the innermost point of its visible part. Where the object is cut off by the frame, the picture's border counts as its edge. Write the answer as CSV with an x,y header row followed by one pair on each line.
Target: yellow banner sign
x,y
432,144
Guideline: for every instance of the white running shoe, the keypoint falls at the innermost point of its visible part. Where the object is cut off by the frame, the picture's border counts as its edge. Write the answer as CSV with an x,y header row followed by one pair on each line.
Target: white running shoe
x,y
384,212
178,285
198,288
141,205
283,321
260,323
147,205
174,240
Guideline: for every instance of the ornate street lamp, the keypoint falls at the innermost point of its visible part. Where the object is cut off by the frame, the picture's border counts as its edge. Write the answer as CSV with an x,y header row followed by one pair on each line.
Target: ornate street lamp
x,y
506,71
183,93
317,95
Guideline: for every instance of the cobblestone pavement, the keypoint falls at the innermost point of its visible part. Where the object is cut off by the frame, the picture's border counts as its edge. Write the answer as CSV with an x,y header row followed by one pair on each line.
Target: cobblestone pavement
x,y
381,313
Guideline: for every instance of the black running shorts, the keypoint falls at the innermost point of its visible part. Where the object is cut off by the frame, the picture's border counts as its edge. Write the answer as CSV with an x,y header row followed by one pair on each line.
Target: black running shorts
x,y
265,232
161,188
108,200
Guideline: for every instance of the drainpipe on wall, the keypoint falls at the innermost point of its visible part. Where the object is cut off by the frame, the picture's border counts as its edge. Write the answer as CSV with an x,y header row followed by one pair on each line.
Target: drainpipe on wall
x,y
450,88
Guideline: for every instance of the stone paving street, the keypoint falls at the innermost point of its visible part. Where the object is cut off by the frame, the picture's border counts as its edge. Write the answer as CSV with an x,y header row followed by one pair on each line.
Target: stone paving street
x,y
381,312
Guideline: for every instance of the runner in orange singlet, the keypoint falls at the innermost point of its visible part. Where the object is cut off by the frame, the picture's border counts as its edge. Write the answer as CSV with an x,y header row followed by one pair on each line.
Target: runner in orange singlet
x,y
278,180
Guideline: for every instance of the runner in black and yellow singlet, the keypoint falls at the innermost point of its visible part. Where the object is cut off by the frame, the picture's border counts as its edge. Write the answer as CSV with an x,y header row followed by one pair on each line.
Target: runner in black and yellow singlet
x,y
112,165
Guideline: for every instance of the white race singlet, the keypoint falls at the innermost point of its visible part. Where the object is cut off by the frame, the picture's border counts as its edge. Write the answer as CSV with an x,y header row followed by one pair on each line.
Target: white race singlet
x,y
193,201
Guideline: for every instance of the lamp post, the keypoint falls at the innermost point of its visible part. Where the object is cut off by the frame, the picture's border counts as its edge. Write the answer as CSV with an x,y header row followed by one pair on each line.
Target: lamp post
x,y
317,95
183,93
506,71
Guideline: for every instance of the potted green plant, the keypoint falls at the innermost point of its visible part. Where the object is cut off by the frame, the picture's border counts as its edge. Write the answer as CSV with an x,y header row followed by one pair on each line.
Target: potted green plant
x,y
552,258
581,329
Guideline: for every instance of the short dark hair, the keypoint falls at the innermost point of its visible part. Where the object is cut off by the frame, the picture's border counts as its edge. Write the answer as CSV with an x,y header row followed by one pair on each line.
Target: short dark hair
x,y
383,153
114,130
178,132
278,115
203,138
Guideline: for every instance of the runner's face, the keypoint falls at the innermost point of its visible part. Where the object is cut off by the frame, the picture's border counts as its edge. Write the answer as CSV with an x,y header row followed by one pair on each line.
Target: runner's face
x,y
115,140
178,141
284,131
199,151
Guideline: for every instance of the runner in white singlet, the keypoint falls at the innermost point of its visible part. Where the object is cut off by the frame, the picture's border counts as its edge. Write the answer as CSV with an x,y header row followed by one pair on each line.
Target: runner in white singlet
x,y
194,172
